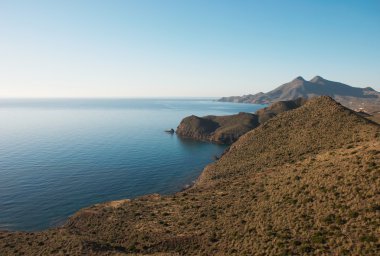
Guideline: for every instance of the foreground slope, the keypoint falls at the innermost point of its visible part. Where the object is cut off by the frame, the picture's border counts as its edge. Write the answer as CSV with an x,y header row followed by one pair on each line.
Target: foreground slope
x,y
305,182
358,99
375,117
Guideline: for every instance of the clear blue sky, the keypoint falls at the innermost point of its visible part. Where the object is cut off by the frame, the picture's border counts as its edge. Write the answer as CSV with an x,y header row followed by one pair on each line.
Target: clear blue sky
x,y
145,48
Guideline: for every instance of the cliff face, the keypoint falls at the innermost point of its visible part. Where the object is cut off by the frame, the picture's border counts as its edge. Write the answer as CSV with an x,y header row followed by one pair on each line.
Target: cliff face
x,y
305,182
227,129
220,129
366,99
197,127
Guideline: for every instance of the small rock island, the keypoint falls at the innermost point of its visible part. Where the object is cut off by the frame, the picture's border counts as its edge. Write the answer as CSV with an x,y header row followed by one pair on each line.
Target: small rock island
x,y
170,131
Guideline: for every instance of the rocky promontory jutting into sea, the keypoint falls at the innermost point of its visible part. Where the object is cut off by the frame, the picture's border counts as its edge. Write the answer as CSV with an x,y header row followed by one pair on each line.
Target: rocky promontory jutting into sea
x,y
227,129
305,182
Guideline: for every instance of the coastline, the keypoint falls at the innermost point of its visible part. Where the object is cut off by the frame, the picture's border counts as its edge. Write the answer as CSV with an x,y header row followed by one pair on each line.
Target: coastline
x,y
285,182
202,177
186,187
86,156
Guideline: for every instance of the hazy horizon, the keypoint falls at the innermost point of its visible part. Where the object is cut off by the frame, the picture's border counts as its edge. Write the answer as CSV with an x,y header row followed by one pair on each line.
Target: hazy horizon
x,y
177,49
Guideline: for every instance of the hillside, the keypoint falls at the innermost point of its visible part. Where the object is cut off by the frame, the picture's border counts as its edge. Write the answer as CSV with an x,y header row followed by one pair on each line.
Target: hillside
x,y
227,129
220,129
365,99
305,182
375,117
278,107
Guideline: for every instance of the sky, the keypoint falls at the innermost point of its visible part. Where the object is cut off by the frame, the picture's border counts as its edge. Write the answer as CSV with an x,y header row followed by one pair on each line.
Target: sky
x,y
189,48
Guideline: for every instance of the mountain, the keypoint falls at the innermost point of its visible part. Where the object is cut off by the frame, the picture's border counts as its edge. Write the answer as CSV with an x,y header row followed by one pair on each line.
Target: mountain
x,y
358,99
306,182
227,129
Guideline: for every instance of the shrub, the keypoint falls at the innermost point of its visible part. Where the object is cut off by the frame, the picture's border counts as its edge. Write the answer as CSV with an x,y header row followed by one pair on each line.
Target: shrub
x,y
354,214
319,238
368,239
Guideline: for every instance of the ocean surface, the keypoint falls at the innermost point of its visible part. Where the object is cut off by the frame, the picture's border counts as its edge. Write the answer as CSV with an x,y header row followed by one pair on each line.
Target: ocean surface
x,y
58,156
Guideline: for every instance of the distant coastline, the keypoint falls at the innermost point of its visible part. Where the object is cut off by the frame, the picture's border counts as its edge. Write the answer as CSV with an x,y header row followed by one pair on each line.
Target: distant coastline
x,y
358,99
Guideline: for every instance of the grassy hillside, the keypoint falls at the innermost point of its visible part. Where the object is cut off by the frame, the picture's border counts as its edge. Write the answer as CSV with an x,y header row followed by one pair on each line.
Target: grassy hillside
x,y
305,182
228,129
375,117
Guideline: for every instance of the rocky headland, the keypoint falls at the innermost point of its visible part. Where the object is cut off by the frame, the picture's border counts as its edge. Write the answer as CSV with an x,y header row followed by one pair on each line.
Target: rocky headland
x,y
305,182
220,129
227,129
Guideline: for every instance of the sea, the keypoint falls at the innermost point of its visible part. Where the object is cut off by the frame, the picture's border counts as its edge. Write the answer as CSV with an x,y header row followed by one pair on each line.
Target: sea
x,y
60,155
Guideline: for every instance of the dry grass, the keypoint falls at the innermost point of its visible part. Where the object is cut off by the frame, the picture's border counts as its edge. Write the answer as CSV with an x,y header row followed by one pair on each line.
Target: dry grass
x,y
228,129
305,183
375,117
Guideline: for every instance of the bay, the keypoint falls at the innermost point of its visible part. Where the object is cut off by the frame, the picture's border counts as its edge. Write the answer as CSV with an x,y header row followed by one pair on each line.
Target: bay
x,y
60,155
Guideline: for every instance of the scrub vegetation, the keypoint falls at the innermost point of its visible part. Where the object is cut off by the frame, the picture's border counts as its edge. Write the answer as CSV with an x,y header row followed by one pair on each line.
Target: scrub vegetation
x,y
307,182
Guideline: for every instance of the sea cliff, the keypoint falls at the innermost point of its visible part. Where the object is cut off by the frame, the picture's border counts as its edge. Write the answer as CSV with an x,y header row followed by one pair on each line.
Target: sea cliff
x,y
228,129
220,129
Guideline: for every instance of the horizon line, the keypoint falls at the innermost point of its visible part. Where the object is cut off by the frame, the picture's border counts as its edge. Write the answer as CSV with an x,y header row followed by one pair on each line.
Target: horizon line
x,y
107,97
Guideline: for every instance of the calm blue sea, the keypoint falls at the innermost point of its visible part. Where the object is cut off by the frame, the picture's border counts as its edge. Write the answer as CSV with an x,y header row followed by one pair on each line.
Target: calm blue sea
x,y
57,156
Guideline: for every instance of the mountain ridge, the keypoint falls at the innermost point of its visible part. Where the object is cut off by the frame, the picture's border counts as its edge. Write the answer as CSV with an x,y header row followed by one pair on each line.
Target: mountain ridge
x,y
359,99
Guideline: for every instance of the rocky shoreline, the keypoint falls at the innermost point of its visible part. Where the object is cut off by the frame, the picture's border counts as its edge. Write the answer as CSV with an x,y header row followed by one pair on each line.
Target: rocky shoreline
x,y
228,129
304,182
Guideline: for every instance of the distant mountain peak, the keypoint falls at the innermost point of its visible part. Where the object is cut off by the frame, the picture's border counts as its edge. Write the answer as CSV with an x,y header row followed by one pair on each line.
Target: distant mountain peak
x,y
370,89
349,96
317,79
299,78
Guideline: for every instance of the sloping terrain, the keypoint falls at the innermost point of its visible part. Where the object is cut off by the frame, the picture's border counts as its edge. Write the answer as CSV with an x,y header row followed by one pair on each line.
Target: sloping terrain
x,y
307,182
220,129
358,99
227,129
375,117
278,107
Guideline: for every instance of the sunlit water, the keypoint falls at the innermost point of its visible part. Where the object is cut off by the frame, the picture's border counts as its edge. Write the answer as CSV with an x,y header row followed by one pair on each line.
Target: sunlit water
x,y
57,156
